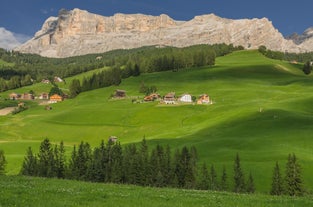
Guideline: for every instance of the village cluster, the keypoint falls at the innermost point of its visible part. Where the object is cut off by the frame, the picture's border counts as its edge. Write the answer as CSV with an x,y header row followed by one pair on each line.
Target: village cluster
x,y
170,98
43,96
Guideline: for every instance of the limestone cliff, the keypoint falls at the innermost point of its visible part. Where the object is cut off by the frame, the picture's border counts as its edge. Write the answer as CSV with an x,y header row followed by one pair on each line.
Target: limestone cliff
x,y
79,32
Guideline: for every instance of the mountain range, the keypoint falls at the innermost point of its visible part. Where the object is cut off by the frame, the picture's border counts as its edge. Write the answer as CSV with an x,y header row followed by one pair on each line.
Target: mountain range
x,y
78,32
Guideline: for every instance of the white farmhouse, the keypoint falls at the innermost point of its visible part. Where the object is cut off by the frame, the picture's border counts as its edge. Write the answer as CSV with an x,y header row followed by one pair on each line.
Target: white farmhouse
x,y
186,98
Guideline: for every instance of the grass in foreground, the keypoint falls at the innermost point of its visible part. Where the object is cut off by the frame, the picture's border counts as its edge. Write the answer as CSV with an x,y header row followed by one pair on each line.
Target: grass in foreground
x,y
27,191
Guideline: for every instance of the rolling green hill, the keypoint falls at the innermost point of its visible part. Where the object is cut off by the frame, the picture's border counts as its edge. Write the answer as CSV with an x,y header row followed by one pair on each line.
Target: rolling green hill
x,y
261,109
25,191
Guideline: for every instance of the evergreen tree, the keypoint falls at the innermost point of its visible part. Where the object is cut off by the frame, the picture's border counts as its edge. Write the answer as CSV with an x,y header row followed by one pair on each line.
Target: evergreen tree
x,y
167,166
83,160
75,88
203,182
307,68
188,167
131,165
277,181
223,185
55,90
250,184
213,179
46,160
293,177
30,164
60,160
73,165
108,161
136,70
3,162
117,163
178,177
144,163
97,166
155,168
239,181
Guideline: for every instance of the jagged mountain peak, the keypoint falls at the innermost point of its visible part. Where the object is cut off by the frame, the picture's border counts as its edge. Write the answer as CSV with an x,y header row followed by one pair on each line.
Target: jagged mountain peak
x,y
79,32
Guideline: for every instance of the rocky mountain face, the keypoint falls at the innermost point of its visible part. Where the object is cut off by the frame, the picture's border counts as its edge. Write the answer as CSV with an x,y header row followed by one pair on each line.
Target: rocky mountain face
x,y
305,40
79,32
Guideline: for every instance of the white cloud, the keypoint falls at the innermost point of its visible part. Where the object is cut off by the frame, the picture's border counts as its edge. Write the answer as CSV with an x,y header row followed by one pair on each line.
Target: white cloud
x,y
10,40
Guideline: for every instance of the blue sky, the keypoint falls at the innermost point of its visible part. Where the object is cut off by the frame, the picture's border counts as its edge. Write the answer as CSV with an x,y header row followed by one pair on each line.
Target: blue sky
x,y
288,16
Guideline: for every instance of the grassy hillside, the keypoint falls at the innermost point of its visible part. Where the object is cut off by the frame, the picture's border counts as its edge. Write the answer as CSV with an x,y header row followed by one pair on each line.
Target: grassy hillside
x,y
262,110
24,191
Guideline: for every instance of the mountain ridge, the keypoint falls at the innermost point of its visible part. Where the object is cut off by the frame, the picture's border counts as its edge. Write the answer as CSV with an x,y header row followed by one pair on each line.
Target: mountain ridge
x,y
78,32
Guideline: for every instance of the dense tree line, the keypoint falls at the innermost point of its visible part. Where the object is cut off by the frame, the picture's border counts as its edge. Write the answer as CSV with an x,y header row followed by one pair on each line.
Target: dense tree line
x,y
158,167
28,67
305,58
133,164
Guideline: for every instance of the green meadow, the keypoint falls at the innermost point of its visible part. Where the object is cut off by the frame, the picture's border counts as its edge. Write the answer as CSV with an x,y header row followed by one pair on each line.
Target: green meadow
x,y
262,109
26,191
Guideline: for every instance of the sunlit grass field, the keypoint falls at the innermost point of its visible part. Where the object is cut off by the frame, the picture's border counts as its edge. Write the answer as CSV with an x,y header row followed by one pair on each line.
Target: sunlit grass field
x,y
25,191
262,109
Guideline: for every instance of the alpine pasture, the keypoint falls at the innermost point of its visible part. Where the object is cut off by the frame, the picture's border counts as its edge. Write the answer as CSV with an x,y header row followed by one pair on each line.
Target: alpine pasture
x,y
262,109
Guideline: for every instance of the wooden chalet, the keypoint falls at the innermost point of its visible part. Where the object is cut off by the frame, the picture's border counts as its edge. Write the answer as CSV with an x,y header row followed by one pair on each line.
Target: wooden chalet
x,y
44,96
152,97
27,96
14,96
120,94
56,98
203,99
170,98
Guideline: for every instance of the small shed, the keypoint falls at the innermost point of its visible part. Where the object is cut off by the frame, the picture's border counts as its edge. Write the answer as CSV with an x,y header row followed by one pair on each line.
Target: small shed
x,y
21,105
120,94
46,81
57,79
112,139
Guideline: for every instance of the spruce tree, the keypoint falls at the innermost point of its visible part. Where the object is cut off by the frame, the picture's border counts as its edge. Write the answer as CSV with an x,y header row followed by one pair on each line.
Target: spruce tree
x,y
223,185
293,177
117,163
203,178
46,160
250,184
83,160
30,164
187,163
144,163
239,181
60,160
213,179
277,181
73,165
3,162
97,168
167,173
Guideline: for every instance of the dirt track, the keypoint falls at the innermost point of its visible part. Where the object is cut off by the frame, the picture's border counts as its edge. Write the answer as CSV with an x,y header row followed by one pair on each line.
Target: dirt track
x,y
6,111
